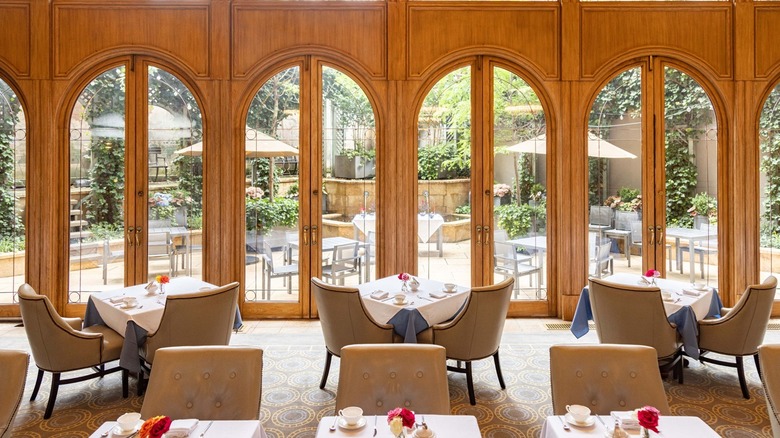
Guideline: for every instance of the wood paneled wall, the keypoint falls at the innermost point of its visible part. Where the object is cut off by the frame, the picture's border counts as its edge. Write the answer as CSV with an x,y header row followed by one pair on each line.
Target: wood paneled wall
x,y
397,49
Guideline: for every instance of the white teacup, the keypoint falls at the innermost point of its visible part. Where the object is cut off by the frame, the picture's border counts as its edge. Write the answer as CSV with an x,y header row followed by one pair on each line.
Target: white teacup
x,y
450,287
351,415
578,412
127,422
400,298
699,286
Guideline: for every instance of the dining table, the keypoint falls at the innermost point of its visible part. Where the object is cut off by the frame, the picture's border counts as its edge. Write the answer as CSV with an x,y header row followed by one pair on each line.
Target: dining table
x,y
204,428
134,323
428,224
685,308
431,304
692,235
669,426
444,426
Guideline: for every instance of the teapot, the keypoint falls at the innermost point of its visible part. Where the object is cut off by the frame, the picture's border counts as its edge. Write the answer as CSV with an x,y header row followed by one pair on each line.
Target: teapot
x,y
414,284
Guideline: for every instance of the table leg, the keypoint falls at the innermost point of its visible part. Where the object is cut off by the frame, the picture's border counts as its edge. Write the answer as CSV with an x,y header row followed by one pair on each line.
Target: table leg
x,y
440,241
691,261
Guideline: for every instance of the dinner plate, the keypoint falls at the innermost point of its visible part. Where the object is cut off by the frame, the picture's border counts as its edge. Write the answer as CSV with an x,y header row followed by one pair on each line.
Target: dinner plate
x,y
343,423
587,423
119,433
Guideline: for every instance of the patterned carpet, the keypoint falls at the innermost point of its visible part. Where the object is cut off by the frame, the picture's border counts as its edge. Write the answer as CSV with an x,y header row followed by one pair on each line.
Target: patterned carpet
x,y
293,403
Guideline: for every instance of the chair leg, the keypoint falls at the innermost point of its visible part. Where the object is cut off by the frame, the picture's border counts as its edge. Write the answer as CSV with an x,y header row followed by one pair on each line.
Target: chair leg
x,y
37,385
55,386
325,372
680,367
741,374
125,385
758,365
470,384
498,371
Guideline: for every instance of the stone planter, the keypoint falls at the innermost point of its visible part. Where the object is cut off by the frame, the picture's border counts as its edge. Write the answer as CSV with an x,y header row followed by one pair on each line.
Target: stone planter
x,y
353,168
501,200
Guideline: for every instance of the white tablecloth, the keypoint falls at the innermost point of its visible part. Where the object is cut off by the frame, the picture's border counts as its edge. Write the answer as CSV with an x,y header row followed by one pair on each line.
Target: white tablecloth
x,y
700,304
445,426
233,429
669,426
150,307
434,310
427,224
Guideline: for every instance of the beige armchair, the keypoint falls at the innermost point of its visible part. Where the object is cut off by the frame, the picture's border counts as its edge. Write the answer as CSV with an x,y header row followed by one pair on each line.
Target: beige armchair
x,y
475,333
198,318
380,377
740,331
57,347
207,383
635,315
606,378
345,321
770,357
13,368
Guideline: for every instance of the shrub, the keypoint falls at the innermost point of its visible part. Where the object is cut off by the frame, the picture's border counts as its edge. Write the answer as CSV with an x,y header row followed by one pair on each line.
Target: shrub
x,y
263,215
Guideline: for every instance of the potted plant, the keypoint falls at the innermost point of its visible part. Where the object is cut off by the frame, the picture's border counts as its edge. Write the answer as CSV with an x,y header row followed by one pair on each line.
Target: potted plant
x,y
356,163
502,194
704,209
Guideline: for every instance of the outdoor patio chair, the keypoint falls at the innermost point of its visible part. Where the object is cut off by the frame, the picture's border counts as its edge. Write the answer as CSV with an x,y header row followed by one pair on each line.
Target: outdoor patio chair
x,y
345,262
512,261
603,262
271,270
636,241
157,161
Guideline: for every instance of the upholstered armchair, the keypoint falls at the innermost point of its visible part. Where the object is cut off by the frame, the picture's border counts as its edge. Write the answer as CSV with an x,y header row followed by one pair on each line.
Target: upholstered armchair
x,y
206,382
626,314
475,333
13,368
197,318
605,378
380,377
345,321
740,330
57,347
770,357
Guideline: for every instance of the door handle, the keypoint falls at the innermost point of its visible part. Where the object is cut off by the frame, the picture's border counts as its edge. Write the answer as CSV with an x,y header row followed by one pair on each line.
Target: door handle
x,y
660,237
138,236
129,236
313,235
486,239
651,233
306,235
479,234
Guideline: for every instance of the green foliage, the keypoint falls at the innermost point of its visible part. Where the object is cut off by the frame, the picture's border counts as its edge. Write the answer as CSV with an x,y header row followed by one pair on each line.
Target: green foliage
x,y
517,220
263,215
463,209
275,101
627,194
105,231
107,181
11,244
11,225
442,161
260,170
769,133
704,205
366,154
190,182
195,222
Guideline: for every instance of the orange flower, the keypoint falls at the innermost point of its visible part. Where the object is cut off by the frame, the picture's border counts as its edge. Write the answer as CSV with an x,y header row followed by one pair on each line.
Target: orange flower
x,y
162,279
155,427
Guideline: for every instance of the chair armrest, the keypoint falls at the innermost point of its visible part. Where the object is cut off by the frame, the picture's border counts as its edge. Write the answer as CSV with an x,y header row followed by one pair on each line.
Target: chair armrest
x,y
73,322
725,310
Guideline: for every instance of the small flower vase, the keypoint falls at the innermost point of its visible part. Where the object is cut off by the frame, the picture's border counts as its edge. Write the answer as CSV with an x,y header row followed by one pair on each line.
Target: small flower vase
x,y
405,287
162,288
643,431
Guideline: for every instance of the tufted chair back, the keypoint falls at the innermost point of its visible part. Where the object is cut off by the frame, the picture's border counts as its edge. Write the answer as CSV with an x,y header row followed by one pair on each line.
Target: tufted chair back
x,y
740,331
13,368
627,314
56,346
380,377
606,378
770,358
198,318
207,383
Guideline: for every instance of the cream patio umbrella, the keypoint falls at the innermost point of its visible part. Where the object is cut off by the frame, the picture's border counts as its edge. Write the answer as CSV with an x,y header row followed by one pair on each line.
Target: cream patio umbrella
x,y
597,147
257,145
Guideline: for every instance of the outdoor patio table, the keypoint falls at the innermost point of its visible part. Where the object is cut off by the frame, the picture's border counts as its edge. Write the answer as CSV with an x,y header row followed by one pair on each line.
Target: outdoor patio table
x,y
692,236
328,243
425,308
136,322
684,311
427,225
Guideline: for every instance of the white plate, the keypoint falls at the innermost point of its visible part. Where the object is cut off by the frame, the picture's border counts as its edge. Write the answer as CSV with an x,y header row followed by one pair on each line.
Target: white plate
x,y
587,423
402,303
128,306
116,432
343,423
700,288
669,300
444,289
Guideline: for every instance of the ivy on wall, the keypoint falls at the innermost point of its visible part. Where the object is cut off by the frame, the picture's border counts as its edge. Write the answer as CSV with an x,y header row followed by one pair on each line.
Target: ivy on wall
x,y
11,225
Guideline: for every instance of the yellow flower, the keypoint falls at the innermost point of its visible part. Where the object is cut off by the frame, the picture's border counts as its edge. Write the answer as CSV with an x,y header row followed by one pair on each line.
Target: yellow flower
x,y
396,426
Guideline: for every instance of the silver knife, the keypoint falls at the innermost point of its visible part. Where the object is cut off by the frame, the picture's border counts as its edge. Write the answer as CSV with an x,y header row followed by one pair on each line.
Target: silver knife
x,y
375,418
206,429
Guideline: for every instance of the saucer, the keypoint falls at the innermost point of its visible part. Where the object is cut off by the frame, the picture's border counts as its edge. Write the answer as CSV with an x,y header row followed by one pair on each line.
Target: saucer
x,y
343,423
402,303
128,306
703,288
116,432
432,435
444,289
587,423
668,300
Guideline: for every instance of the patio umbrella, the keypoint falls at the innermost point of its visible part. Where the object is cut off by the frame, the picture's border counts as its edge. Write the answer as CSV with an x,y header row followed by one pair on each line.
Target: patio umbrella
x,y
597,147
257,145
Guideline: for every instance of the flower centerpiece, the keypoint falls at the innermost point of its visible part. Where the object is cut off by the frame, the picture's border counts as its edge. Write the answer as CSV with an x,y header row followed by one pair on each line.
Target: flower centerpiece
x,y
398,419
161,280
404,277
648,419
651,275
155,427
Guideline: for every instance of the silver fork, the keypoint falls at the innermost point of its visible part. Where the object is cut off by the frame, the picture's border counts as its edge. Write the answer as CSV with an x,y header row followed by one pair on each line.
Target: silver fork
x,y
565,426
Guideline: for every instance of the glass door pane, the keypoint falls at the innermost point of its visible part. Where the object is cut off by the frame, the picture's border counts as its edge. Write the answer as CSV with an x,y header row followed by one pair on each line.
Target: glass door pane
x,y
349,214
691,180
13,155
97,180
444,180
272,181
769,172
615,177
175,178
519,192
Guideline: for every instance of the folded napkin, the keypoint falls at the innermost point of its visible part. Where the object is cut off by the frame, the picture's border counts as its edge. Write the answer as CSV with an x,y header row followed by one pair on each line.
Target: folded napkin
x,y
437,294
116,300
379,294
692,292
181,428
626,419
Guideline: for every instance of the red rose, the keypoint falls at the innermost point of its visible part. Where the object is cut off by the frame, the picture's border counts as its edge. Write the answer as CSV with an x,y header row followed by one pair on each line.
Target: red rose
x,y
407,417
648,418
160,427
